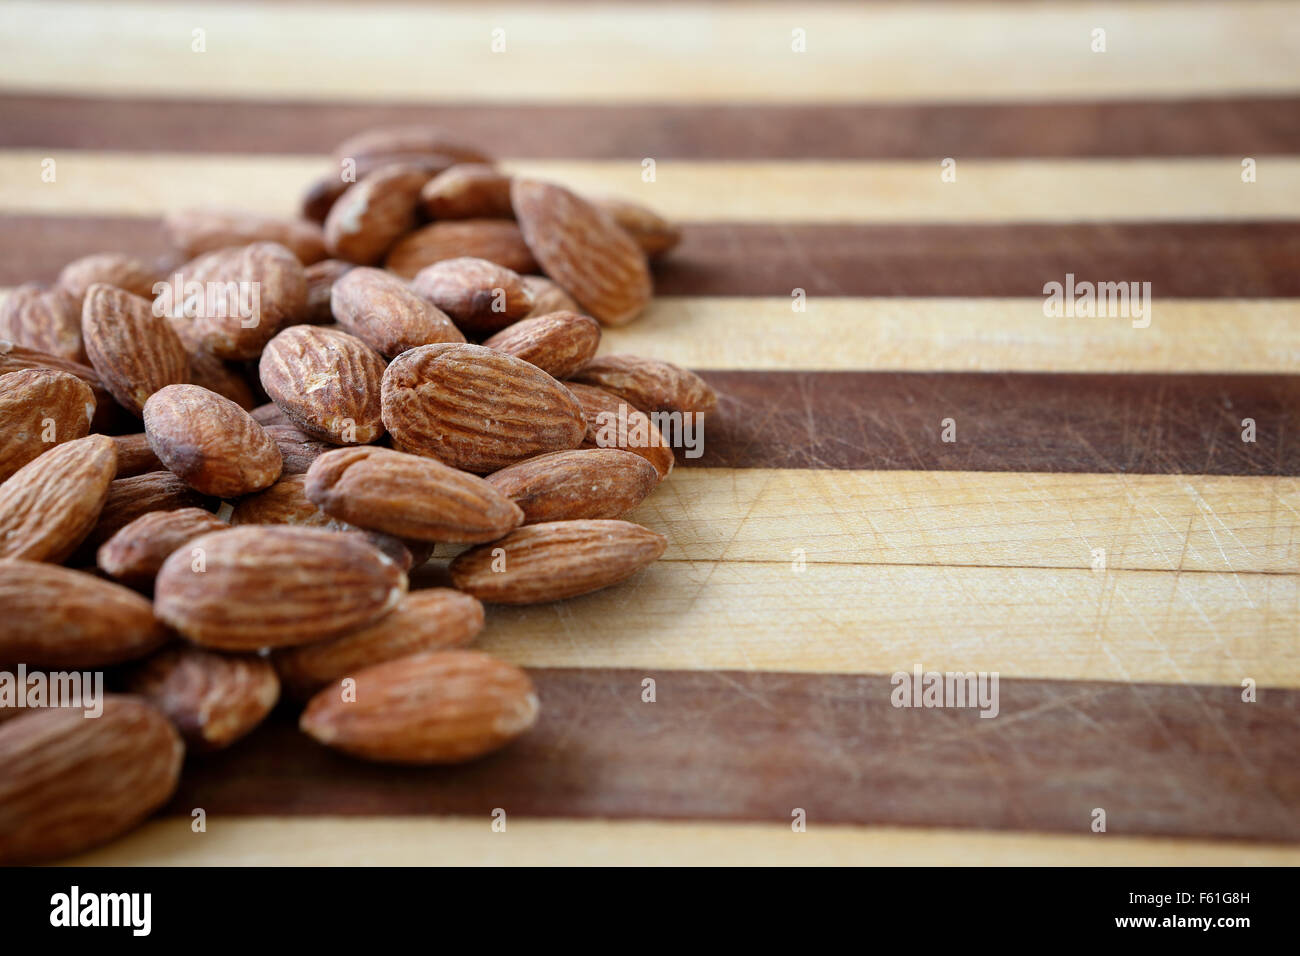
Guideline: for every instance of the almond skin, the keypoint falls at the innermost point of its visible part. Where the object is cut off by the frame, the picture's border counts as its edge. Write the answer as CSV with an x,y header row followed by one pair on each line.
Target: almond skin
x,y
480,296
583,250
213,699
548,297
285,502
210,442
559,344
497,240
206,229
271,586
386,313
367,219
321,277
48,320
417,140
476,409
50,504
602,409
134,351
556,560
63,619
137,551
587,483
111,268
649,384
71,783
409,496
326,382
435,619
651,231
468,191
40,408
297,450
437,708
134,456
129,498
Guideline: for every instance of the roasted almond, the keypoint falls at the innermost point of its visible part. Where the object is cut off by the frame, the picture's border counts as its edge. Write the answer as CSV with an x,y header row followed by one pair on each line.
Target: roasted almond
x,y
583,249
48,320
442,707
409,496
15,358
652,232
376,212
265,586
207,229
297,450
325,382
50,504
111,268
210,372
129,498
468,191
649,384
134,456
137,551
321,277
477,409
213,699
480,296
436,619
384,143
70,784
613,423
586,483
210,442
134,351
63,619
40,408
559,344
548,297
384,312
497,240
555,560
270,414
285,502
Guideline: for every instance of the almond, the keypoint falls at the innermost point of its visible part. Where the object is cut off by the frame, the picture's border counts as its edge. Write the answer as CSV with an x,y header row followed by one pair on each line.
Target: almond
x,y
324,192
63,619
321,277
210,442
321,196
587,483
480,296
48,320
443,707
270,414
613,423
468,191
50,504
432,620
649,384
207,370
137,551
651,231
129,498
583,249
409,496
134,456
71,783
285,502
476,409
559,344
111,268
417,141
497,240
555,560
40,408
207,229
134,351
254,587
213,699
548,297
367,219
385,313
326,383
297,450
16,358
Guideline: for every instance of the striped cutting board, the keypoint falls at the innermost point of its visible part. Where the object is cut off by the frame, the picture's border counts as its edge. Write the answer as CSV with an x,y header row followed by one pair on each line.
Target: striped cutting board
x,y
1121,685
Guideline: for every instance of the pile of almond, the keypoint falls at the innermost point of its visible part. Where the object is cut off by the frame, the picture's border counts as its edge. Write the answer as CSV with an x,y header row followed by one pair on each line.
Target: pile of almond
x,y
423,342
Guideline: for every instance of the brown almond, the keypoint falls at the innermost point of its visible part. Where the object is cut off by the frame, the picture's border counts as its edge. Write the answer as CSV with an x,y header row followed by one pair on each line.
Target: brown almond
x,y
409,496
555,560
71,783
137,551
134,351
649,384
111,268
15,358
50,504
548,297
129,498
320,197
384,312
266,586
613,423
213,699
367,219
586,483
40,408
321,277
583,249
480,296
206,229
297,450
651,231
477,409
413,140
435,619
497,240
63,619
468,191
210,442
285,502
442,707
326,383
48,320
134,456
270,414
559,344
208,371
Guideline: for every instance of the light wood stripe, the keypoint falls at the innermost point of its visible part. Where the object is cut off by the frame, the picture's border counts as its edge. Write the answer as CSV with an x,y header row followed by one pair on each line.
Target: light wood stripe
x,y
652,52
457,841
1022,190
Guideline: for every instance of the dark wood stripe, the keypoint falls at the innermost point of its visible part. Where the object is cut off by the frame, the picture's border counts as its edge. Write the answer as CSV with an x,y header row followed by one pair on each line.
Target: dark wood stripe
x,y
1161,760
1240,126
1109,423
1180,260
